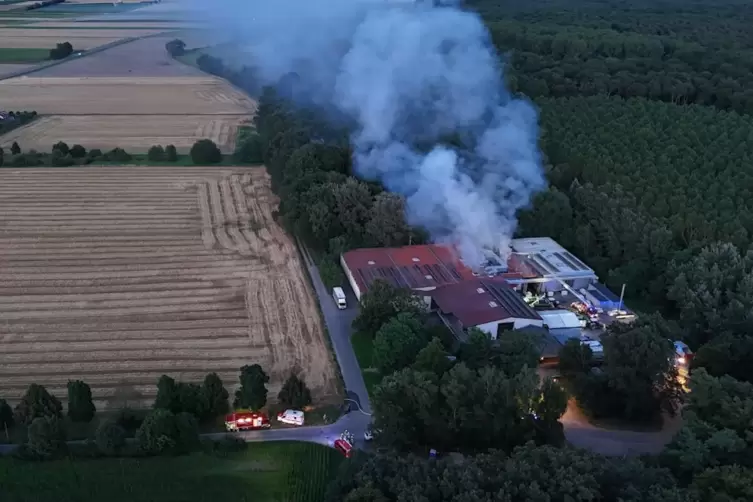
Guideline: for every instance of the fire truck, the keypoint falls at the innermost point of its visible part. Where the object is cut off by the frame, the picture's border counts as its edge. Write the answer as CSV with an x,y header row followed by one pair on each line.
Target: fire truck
x,y
344,444
244,420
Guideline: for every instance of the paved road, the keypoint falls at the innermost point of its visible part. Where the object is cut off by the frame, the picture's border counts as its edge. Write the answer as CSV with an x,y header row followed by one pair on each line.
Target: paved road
x,y
338,324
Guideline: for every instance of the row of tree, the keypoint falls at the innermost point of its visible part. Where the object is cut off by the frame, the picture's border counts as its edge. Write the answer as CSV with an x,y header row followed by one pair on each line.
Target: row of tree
x,y
171,427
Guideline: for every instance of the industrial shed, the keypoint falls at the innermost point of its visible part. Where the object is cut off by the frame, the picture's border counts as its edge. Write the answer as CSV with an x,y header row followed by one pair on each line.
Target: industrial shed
x,y
559,319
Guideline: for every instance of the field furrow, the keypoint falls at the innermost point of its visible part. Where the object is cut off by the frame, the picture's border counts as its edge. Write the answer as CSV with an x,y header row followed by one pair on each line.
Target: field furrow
x,y
118,275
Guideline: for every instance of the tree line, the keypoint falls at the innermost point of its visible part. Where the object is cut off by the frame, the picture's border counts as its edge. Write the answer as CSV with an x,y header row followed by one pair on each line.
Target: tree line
x,y
171,427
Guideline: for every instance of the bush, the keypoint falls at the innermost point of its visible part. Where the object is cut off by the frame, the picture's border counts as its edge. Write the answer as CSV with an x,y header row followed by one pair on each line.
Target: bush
x,y
62,51
59,159
164,432
46,437
171,154
35,403
205,151
117,155
129,420
156,153
15,149
222,447
94,153
78,152
80,405
176,47
110,437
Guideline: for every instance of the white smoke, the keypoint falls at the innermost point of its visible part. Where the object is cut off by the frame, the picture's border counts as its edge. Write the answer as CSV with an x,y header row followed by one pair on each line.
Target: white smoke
x,y
409,75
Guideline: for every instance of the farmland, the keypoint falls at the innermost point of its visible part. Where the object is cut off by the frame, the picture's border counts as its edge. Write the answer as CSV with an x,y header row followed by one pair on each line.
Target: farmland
x,y
134,133
265,472
23,38
116,275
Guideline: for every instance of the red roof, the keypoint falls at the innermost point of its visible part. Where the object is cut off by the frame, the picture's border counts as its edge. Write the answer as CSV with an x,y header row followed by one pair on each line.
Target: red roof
x,y
480,301
414,267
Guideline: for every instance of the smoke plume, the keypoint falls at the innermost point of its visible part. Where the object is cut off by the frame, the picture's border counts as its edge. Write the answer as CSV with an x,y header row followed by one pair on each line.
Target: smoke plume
x,y
424,85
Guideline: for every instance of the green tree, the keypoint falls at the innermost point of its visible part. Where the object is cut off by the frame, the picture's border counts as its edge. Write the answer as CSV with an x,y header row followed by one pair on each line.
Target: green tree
x,y
727,354
171,154
46,437
168,397
433,359
575,358
37,402
110,437
6,416
381,303
397,343
176,47
249,150
253,391
15,149
59,159
193,400
80,404
730,483
476,352
215,394
165,432
294,393
205,151
156,153
515,350
61,147
78,152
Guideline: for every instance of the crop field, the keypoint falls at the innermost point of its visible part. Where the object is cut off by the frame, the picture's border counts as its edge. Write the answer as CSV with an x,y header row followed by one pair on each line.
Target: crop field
x,y
23,38
126,96
117,275
134,133
264,472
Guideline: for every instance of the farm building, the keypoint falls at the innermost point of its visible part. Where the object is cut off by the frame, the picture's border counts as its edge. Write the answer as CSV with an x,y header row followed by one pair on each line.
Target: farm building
x,y
550,266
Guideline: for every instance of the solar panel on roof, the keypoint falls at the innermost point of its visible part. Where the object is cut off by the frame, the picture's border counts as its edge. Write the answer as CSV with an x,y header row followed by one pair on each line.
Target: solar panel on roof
x,y
539,269
510,301
567,261
576,260
455,272
546,264
440,272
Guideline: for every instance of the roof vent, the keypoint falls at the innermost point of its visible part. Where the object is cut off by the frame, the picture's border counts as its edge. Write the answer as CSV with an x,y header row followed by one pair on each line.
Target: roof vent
x,y
372,262
493,304
479,290
415,259
429,277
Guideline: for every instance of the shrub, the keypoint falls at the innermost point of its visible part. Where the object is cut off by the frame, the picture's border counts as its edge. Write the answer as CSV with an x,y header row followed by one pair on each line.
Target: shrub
x,y
164,432
176,47
129,420
205,151
62,51
80,405
94,153
78,152
46,437
37,402
61,147
171,154
156,153
117,155
15,149
110,437
59,159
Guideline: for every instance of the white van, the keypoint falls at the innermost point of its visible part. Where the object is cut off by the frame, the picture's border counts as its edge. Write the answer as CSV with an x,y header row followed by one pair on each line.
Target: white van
x,y
339,295
291,417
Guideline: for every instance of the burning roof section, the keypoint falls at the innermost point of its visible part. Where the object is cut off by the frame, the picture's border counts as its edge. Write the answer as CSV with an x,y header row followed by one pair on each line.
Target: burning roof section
x,y
479,301
415,267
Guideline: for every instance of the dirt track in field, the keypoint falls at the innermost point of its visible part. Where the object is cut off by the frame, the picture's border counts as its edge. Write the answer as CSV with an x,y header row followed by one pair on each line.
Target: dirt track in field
x,y
118,275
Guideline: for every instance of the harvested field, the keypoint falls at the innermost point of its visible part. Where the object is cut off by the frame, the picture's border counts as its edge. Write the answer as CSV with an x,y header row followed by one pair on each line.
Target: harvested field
x,y
117,275
134,133
22,38
5,69
141,58
126,96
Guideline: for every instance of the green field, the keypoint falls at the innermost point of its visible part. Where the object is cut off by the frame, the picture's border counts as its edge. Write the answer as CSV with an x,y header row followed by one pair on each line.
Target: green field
x,y
8,55
363,346
265,472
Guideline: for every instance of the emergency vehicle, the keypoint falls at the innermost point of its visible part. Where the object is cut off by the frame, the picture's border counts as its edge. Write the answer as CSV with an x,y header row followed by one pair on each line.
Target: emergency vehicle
x,y
344,444
291,417
244,420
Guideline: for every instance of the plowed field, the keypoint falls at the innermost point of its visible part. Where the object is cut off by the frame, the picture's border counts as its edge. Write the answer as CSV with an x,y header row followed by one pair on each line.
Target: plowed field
x,y
118,275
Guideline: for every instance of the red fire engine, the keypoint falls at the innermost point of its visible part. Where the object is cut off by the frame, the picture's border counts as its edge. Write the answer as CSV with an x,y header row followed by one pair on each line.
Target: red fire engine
x,y
344,444
243,420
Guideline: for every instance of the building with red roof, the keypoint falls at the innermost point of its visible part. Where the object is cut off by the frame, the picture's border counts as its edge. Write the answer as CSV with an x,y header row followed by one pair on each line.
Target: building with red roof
x,y
435,272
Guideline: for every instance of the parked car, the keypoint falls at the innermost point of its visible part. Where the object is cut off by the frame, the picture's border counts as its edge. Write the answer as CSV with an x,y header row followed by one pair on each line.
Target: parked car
x,y
291,417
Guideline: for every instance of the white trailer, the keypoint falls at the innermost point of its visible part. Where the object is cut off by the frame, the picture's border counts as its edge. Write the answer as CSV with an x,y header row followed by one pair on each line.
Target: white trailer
x,y
339,296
